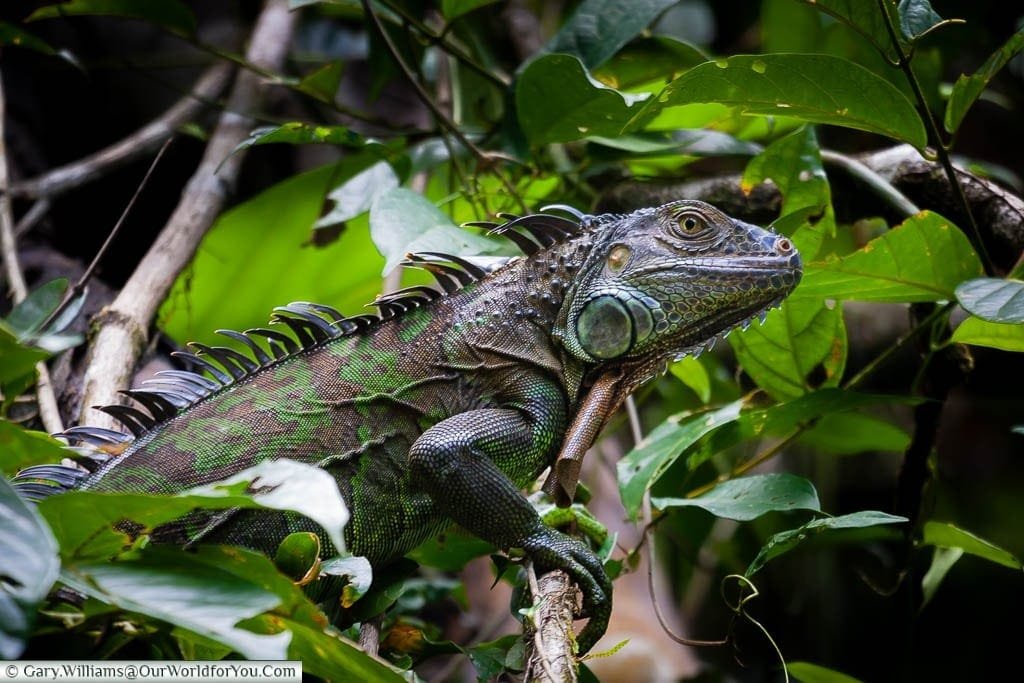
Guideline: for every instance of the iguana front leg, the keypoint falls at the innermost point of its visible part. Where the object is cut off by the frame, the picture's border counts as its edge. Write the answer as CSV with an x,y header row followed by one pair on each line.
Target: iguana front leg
x,y
461,463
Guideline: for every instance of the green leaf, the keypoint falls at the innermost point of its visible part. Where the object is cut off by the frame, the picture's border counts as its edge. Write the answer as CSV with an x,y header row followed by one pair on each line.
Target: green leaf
x,y
946,535
785,541
647,59
402,221
698,436
173,15
599,28
322,83
489,658
917,18
1008,337
297,554
331,658
181,589
28,567
20,447
356,195
558,101
813,88
450,550
803,338
694,142
298,133
863,17
747,498
805,672
922,259
943,560
16,36
849,433
691,372
793,163
17,371
356,571
87,523
453,9
270,234
993,299
968,89
643,465
28,316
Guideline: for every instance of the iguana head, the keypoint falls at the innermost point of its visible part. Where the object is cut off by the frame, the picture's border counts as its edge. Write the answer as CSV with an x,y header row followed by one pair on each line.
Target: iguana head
x,y
662,282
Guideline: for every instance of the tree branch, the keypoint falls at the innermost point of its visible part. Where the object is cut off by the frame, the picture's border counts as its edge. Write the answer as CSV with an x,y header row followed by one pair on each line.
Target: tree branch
x,y
140,143
122,327
45,398
551,658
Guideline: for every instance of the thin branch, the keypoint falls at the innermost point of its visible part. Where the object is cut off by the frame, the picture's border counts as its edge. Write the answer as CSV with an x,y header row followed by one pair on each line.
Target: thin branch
x,y
35,214
45,398
443,120
878,185
122,327
140,143
551,659
79,286
933,132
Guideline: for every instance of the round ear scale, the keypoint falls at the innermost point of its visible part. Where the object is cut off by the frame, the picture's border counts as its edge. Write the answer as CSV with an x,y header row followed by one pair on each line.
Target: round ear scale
x,y
604,327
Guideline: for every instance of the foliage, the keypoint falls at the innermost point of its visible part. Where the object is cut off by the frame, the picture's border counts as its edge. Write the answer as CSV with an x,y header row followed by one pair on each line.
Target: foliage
x,y
616,90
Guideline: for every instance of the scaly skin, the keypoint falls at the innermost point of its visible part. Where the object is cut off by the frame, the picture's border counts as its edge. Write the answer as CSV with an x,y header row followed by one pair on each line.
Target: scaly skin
x,y
447,411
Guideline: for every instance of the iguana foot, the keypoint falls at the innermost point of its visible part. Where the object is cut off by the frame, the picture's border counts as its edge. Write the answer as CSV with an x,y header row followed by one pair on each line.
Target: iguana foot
x,y
550,549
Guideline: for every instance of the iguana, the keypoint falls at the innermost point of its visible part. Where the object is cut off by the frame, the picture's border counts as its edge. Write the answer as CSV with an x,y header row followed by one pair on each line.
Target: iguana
x,y
448,402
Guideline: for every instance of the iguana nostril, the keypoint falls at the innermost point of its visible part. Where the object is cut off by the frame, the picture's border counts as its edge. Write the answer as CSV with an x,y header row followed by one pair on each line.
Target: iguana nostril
x,y
783,246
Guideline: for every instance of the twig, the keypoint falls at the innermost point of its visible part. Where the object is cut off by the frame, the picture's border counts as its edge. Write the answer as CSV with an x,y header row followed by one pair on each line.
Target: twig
x,y
141,142
933,132
122,327
369,635
442,119
35,214
879,185
45,398
79,286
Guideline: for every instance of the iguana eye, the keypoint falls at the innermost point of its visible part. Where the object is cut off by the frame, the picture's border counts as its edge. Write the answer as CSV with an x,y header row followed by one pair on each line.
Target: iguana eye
x,y
690,224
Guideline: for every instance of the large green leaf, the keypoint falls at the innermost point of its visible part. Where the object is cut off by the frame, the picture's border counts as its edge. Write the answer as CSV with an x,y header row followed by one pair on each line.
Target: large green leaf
x,y
922,259
20,447
173,15
849,433
558,101
805,672
28,567
784,541
87,523
1005,336
968,89
863,17
356,195
701,435
993,299
648,59
946,535
801,338
402,221
747,498
813,88
793,163
599,28
226,286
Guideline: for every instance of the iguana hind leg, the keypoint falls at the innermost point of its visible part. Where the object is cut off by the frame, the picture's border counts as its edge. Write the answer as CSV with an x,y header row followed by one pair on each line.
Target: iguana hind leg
x,y
463,463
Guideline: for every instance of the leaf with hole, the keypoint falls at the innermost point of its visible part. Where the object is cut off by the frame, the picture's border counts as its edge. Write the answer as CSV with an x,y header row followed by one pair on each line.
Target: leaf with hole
x,y
746,498
812,88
